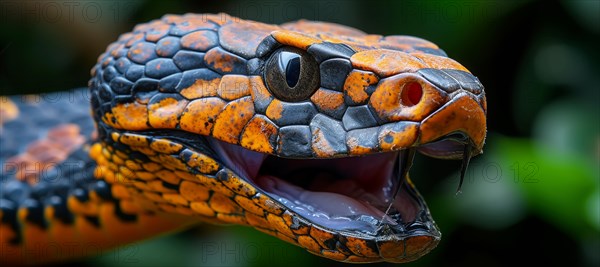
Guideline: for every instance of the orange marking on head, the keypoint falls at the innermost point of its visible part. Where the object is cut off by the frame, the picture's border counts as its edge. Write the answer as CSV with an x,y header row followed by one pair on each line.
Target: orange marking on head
x,y
200,40
165,113
165,146
275,109
158,31
133,140
295,39
134,38
259,135
245,37
140,50
248,205
372,40
172,162
439,62
233,87
277,223
386,62
357,83
239,186
355,147
151,166
204,163
308,243
116,49
327,99
321,235
233,118
300,229
394,136
110,120
221,62
132,165
200,115
387,103
268,204
320,145
259,91
359,247
131,116
213,184
201,88
145,150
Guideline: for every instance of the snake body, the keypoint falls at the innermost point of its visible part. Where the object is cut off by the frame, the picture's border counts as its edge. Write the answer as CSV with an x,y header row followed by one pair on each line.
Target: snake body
x,y
300,130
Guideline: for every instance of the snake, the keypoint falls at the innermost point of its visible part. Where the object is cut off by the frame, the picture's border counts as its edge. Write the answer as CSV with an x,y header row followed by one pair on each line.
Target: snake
x,y
305,131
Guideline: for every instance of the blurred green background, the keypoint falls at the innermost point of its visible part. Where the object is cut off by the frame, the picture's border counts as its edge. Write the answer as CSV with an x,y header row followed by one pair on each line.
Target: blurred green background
x,y
533,197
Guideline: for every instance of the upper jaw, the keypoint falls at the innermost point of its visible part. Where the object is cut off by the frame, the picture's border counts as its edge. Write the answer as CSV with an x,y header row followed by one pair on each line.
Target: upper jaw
x,y
461,121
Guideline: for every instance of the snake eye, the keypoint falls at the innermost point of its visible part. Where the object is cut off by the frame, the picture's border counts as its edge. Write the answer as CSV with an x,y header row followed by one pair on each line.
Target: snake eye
x,y
292,74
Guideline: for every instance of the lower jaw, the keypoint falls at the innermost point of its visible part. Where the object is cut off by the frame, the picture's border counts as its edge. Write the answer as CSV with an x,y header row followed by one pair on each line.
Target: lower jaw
x,y
354,216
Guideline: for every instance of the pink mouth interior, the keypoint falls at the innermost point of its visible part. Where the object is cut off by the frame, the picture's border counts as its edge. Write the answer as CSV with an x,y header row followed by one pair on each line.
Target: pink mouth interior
x,y
349,194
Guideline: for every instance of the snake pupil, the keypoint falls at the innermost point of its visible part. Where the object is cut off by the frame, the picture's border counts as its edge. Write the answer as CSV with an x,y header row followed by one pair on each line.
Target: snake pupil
x,y
292,71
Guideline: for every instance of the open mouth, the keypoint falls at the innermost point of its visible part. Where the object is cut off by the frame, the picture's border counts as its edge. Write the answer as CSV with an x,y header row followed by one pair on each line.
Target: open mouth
x,y
367,194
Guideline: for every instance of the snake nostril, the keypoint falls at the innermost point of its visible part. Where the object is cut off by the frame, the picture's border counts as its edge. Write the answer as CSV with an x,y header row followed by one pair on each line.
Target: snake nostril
x,y
411,94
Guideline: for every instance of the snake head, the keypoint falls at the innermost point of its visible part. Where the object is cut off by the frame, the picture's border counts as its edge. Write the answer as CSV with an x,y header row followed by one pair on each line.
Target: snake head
x,y
305,131
393,94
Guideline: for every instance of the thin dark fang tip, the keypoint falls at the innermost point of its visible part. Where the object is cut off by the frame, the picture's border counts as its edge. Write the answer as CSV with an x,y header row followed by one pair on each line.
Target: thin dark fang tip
x,y
467,152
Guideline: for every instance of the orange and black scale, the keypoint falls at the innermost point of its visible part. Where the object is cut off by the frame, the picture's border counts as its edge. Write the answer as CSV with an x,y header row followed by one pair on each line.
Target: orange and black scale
x,y
158,93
